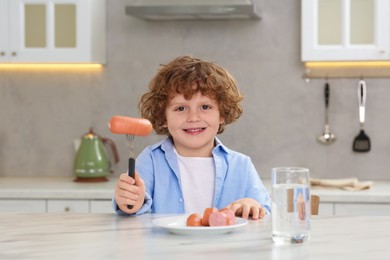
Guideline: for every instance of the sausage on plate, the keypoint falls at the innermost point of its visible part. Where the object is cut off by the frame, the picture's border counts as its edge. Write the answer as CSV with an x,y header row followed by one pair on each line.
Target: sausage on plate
x,y
194,220
206,215
218,219
230,215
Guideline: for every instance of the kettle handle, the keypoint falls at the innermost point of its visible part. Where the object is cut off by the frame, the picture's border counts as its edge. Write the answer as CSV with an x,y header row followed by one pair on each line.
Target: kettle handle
x,y
113,148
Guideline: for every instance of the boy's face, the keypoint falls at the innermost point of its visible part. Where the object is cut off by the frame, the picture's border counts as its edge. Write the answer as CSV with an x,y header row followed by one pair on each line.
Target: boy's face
x,y
193,124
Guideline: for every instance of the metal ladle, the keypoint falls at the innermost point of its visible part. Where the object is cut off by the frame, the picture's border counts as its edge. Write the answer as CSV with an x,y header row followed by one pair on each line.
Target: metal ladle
x,y
327,137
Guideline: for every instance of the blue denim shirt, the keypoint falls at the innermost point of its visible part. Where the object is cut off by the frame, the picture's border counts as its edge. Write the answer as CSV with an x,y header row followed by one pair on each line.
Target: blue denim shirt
x,y
236,178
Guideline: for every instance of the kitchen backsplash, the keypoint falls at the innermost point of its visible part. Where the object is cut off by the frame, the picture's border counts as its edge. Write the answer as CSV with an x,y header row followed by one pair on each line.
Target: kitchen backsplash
x,y
43,112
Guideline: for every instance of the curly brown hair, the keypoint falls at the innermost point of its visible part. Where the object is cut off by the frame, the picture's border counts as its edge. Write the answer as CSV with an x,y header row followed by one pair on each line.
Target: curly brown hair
x,y
179,77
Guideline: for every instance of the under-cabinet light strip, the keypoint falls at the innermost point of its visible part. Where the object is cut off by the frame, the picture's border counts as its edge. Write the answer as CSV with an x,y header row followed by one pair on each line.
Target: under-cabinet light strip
x,y
345,64
360,69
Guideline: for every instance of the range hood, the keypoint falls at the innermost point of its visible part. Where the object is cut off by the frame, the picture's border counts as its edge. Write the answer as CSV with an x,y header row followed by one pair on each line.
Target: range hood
x,y
192,9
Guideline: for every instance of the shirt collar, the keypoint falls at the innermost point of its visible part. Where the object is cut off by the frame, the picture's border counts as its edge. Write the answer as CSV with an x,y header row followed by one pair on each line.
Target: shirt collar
x,y
167,146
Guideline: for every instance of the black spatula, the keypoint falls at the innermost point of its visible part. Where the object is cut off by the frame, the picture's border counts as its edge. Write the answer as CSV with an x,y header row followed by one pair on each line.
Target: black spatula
x,y
362,142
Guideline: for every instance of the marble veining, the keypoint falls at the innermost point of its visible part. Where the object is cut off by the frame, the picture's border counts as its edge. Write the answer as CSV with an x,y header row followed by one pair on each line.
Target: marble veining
x,y
108,236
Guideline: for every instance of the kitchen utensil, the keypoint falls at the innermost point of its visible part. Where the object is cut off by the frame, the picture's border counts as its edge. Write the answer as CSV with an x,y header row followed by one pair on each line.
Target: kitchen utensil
x,y
362,142
327,137
130,127
92,163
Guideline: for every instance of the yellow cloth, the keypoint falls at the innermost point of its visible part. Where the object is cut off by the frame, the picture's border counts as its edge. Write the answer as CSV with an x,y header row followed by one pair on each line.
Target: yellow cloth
x,y
351,184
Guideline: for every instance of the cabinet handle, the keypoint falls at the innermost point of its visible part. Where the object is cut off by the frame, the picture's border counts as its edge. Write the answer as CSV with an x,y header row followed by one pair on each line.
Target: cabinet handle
x,y
2,53
67,209
13,53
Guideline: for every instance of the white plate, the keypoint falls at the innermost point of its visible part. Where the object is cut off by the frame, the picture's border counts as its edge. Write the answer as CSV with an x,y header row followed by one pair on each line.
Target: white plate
x,y
177,225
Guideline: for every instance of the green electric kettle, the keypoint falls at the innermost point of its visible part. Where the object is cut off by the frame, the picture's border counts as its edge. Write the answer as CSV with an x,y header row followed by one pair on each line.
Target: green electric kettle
x,y
92,162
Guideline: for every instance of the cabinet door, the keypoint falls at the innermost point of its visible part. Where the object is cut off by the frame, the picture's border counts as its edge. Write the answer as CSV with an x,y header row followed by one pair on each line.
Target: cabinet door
x,y
64,206
326,209
56,30
362,209
344,30
4,29
101,206
22,206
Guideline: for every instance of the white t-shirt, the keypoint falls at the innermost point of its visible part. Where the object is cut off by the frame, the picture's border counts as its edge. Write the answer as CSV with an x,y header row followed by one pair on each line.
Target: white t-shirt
x,y
197,178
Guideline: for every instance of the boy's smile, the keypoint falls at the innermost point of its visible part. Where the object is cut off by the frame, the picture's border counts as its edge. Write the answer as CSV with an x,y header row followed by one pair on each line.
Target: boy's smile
x,y
194,130
193,124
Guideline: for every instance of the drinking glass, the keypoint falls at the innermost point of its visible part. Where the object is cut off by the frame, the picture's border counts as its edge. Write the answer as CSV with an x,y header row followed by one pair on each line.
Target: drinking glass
x,y
290,205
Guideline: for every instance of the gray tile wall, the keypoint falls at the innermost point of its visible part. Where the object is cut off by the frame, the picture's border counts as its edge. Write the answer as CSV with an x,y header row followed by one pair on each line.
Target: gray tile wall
x,y
42,113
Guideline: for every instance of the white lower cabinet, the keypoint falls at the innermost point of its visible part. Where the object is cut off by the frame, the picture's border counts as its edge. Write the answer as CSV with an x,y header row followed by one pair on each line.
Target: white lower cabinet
x,y
362,209
101,206
105,206
55,206
326,209
65,206
353,209
22,206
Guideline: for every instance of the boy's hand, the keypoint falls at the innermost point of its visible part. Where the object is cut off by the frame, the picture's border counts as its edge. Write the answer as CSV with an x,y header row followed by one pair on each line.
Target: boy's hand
x,y
129,191
247,207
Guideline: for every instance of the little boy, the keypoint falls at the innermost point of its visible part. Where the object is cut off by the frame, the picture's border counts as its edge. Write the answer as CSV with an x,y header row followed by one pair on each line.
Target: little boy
x,y
191,101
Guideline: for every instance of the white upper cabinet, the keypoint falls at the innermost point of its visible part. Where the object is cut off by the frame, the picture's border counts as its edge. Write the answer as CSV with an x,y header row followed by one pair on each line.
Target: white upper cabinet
x,y
53,31
345,30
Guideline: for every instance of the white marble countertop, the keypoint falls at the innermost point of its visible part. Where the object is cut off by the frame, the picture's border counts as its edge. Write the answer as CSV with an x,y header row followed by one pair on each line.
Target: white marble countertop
x,y
66,188
109,236
378,193
54,188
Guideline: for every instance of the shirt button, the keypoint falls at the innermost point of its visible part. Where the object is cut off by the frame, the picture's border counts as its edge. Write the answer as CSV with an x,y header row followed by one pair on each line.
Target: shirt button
x,y
181,200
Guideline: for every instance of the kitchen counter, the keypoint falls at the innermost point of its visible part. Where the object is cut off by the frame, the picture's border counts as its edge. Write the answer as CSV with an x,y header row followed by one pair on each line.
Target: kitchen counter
x,y
378,193
66,188
54,188
108,236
